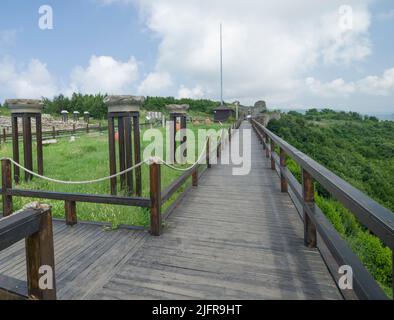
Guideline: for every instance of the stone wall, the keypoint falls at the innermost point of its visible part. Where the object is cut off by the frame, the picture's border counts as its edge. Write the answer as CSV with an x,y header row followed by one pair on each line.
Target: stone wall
x,y
267,117
47,123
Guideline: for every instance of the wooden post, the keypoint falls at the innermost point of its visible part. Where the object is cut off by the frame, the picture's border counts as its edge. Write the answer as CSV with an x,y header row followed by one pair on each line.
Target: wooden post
x,y
15,146
53,132
195,177
6,183
4,135
137,155
267,150
70,208
155,197
99,128
74,128
308,195
229,134
283,180
87,128
272,154
40,252
112,155
40,158
172,138
27,146
122,153
129,155
184,136
208,151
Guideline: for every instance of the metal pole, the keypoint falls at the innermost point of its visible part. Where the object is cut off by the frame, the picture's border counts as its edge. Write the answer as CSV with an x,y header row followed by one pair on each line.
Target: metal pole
x,y
221,66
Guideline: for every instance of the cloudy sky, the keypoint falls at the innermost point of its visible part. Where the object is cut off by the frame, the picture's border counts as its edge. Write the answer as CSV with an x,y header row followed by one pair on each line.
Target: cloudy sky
x,y
293,54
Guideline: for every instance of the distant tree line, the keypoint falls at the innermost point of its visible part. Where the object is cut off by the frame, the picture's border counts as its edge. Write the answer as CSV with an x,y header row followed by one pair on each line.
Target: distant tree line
x,y
95,106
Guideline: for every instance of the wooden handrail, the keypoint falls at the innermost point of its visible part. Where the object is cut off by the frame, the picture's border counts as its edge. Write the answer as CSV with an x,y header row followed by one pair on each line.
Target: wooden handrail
x,y
34,225
372,215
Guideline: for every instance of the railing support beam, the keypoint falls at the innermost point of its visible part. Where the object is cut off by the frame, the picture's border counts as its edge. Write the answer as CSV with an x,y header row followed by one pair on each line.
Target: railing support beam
x,y
283,180
6,183
310,236
155,197
272,154
40,253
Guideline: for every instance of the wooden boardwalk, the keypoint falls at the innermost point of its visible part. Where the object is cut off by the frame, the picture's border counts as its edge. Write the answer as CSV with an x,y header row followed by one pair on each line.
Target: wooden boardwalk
x,y
233,237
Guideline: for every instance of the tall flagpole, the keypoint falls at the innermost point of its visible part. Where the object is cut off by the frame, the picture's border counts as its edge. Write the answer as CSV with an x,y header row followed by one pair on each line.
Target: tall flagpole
x,y
221,66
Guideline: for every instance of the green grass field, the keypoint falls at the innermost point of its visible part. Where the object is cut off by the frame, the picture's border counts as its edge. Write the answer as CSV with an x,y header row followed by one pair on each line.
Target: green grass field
x,y
87,159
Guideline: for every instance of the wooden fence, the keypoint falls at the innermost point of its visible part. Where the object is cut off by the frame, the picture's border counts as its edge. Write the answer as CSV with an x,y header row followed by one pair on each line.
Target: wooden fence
x,y
376,218
157,196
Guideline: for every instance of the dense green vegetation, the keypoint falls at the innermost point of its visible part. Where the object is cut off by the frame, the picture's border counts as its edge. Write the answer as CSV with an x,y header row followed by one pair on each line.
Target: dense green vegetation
x,y
95,105
361,151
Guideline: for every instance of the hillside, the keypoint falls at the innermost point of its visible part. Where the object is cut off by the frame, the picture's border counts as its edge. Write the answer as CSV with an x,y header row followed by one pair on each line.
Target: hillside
x,y
360,150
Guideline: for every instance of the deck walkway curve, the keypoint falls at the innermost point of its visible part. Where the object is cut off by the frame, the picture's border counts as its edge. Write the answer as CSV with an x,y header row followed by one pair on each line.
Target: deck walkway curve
x,y
233,237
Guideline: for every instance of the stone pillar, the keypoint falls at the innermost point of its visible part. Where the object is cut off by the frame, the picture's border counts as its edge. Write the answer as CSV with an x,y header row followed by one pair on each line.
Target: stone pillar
x,y
26,109
177,112
75,116
64,114
125,111
86,116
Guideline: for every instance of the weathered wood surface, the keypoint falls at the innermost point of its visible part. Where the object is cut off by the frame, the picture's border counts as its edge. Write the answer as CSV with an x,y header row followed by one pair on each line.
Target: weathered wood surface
x,y
233,237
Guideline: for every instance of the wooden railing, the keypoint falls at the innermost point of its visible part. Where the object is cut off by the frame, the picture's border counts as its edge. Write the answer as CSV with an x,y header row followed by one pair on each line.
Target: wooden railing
x,y
376,218
160,197
70,199
35,226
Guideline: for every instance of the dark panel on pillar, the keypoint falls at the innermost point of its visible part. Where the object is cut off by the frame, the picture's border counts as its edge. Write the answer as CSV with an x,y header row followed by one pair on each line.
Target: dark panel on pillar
x,y
172,134
122,157
129,154
184,137
15,146
27,146
137,154
112,152
40,161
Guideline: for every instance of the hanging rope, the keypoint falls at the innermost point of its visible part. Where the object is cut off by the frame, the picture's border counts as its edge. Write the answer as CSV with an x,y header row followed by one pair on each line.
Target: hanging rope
x,y
148,161
74,182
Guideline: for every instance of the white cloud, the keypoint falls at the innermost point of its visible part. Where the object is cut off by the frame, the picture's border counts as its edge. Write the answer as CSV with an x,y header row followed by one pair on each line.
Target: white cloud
x,y
347,41
334,88
31,81
194,93
378,85
269,46
103,75
155,83
371,85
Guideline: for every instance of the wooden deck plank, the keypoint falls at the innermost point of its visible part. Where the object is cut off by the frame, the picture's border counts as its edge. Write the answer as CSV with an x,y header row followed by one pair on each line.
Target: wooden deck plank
x,y
233,237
